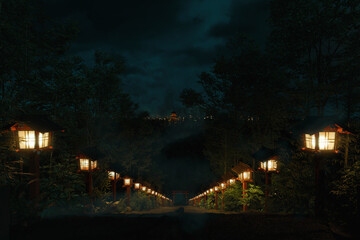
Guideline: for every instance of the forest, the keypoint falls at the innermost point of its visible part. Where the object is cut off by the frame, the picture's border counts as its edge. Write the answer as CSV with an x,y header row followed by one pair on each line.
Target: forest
x,y
258,96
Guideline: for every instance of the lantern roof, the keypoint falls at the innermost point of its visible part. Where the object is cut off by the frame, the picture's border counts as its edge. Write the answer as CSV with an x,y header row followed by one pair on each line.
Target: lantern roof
x,y
40,123
227,176
93,153
314,124
264,154
241,167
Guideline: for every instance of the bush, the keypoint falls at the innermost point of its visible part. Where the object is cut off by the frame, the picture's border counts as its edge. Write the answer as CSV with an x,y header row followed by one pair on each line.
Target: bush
x,y
140,202
234,201
347,195
210,201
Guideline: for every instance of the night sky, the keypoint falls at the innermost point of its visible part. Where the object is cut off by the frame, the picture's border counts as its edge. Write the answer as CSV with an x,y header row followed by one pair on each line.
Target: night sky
x,y
166,44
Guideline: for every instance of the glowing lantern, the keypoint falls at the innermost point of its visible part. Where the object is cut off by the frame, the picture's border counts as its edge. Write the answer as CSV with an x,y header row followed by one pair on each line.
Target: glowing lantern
x,y
323,141
112,175
323,136
85,162
137,185
127,181
231,181
223,185
143,188
246,176
211,190
33,132
216,189
149,191
269,165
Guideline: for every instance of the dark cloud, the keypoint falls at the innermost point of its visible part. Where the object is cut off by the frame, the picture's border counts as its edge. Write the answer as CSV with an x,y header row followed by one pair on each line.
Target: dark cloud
x,y
247,17
166,44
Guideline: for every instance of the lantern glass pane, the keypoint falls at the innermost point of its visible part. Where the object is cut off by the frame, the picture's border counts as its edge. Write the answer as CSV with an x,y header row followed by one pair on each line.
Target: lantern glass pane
x,y
246,176
137,185
112,175
93,164
327,140
26,139
84,164
310,141
270,164
44,140
127,181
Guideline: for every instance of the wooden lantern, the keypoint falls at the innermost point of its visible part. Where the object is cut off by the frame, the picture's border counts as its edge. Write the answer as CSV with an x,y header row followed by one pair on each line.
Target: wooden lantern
x,y
85,163
112,175
127,181
246,176
269,165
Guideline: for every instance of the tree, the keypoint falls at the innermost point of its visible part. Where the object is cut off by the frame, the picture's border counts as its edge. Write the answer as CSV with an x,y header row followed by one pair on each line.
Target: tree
x,y
312,40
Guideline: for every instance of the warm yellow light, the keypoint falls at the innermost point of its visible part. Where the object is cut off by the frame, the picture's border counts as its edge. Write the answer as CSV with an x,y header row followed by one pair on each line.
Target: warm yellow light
x,y
149,190
112,175
152,192
211,190
84,164
137,185
232,181
43,139
94,165
327,140
127,181
26,139
143,188
310,141
245,176
271,165
216,189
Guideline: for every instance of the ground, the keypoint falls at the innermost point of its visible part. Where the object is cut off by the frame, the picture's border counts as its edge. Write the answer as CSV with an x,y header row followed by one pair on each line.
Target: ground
x,y
177,223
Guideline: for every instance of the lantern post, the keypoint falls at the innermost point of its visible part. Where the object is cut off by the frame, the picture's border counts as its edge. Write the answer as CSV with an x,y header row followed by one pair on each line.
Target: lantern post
x,y
222,187
269,166
127,184
88,166
137,187
322,141
33,134
245,177
114,177
216,190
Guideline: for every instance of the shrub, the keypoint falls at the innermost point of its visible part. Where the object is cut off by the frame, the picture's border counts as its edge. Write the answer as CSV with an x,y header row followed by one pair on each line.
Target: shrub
x,y
234,200
140,202
210,201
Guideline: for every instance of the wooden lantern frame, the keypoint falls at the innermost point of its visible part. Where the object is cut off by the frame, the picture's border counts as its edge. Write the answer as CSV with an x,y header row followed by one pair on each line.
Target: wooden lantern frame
x,y
251,176
266,162
24,127
335,129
